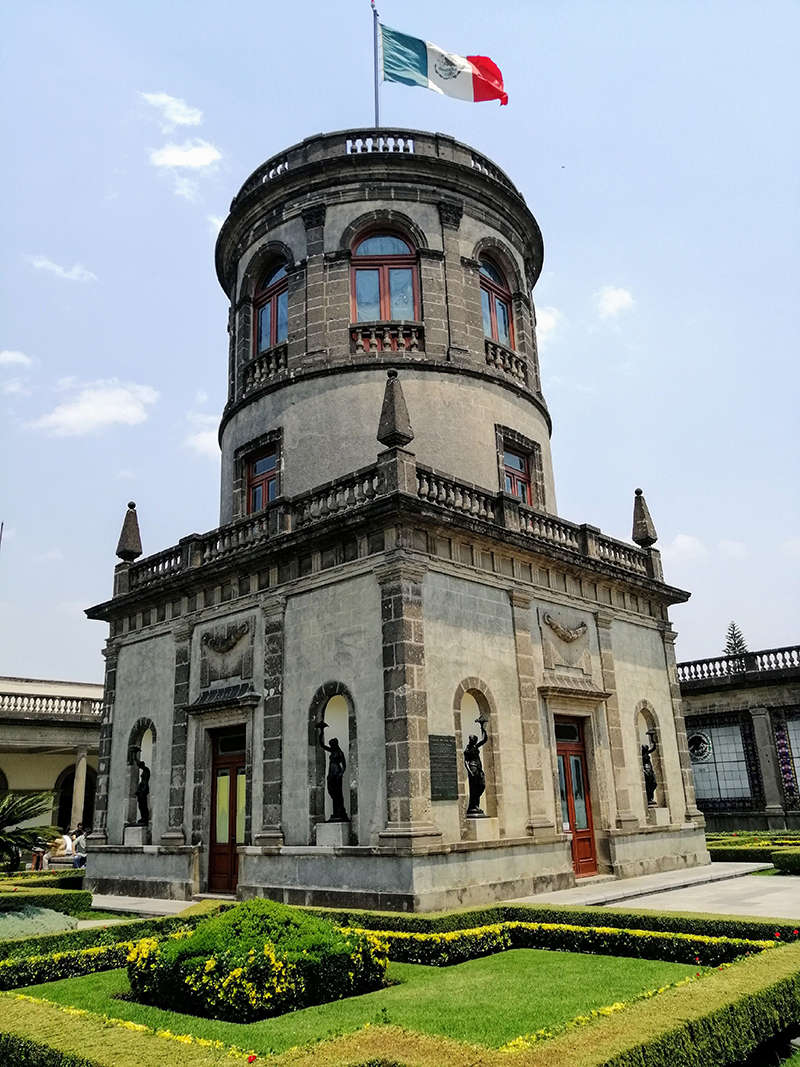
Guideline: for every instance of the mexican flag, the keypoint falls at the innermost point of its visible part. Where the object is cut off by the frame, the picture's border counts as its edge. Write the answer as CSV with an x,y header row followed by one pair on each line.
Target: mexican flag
x,y
415,62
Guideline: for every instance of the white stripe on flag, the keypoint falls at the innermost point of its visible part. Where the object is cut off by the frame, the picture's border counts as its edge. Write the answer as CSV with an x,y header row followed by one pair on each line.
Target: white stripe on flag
x,y
449,74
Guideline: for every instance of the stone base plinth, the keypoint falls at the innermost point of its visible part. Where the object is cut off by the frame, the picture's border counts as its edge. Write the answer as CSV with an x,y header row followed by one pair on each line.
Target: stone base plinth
x,y
482,828
658,816
136,835
333,834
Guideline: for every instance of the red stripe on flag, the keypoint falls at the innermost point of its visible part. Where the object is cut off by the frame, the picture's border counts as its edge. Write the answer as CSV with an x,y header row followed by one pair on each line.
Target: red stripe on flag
x,y
487,81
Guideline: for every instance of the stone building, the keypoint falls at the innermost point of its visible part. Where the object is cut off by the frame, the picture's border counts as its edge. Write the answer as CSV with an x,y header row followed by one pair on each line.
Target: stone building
x,y
743,726
49,737
400,588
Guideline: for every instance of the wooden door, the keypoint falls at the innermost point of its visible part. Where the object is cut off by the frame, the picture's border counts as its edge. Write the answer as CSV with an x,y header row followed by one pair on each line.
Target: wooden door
x,y
576,807
228,806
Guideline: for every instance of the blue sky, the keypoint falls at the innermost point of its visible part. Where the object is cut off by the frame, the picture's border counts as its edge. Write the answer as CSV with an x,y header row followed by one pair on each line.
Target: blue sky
x,y
657,144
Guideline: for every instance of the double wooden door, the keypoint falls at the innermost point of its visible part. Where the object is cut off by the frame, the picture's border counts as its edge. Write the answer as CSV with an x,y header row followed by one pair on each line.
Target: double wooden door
x,y
228,808
576,808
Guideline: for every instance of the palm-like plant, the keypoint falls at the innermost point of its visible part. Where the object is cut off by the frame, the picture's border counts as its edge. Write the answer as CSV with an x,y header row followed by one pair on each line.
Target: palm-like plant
x,y
14,809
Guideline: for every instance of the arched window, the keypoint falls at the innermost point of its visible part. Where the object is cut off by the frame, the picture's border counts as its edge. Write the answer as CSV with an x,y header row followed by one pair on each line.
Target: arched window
x,y
272,308
496,305
385,285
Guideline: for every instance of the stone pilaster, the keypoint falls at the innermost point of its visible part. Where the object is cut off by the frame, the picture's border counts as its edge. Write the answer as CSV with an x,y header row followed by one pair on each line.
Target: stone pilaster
x,y
626,820
100,828
405,707
314,220
693,813
768,764
175,834
450,213
534,754
271,834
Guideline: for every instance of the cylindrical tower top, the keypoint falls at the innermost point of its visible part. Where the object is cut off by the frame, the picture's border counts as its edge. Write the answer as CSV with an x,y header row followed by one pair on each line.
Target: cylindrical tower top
x,y
358,251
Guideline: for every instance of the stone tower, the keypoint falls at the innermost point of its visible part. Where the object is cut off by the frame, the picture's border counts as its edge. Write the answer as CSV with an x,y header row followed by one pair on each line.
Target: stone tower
x,y
389,562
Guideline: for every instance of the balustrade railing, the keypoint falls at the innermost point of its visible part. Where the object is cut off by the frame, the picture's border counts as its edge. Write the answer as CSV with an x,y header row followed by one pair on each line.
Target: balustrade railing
x,y
617,552
549,528
505,360
387,337
771,659
454,495
485,166
384,142
331,499
155,567
264,366
35,704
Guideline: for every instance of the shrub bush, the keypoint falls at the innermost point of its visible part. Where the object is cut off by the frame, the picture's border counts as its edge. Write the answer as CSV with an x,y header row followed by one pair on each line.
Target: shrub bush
x,y
27,921
457,946
741,853
30,970
787,860
258,959
21,1052
70,878
68,901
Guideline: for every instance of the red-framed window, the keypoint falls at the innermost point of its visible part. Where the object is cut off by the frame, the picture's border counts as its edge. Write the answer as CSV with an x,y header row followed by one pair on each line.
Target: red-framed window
x,y
272,308
385,279
518,474
262,479
496,305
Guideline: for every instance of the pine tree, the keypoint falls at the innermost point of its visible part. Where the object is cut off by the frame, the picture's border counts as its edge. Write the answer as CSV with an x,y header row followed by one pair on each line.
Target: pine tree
x,y
735,644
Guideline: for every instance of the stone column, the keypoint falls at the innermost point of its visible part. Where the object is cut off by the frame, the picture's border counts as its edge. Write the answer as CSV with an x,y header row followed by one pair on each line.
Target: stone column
x,y
175,834
450,213
100,829
535,758
693,813
314,220
79,788
271,832
626,820
410,824
768,765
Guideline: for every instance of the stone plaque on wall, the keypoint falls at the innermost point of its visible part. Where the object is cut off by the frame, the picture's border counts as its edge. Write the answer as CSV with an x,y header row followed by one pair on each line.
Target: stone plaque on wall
x,y
227,652
444,767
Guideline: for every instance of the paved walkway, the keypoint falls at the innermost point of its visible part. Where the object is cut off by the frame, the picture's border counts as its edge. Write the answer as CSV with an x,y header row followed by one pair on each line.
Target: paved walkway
x,y
723,888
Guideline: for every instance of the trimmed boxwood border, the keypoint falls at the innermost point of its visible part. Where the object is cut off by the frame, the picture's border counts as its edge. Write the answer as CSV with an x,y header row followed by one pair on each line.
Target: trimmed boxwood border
x,y
67,901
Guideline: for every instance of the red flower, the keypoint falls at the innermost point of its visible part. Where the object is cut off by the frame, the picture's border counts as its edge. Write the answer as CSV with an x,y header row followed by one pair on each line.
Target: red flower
x,y
251,1059
795,932
777,933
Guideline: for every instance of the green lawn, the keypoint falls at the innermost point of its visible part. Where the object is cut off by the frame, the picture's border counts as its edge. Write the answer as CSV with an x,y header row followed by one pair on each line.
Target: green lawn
x,y
487,1001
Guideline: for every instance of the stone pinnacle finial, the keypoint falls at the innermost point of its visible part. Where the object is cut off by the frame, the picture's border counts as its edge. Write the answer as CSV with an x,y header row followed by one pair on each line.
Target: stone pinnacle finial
x,y
394,428
130,543
644,532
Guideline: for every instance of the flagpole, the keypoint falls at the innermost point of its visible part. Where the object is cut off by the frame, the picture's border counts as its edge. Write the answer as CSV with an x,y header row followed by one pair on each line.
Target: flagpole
x,y
377,77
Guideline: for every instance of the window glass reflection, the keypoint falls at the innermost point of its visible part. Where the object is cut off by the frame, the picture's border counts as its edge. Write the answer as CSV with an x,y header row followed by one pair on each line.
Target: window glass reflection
x,y
368,299
401,290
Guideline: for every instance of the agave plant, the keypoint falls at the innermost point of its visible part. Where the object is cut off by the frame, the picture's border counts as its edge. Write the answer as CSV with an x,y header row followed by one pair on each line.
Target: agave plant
x,y
14,809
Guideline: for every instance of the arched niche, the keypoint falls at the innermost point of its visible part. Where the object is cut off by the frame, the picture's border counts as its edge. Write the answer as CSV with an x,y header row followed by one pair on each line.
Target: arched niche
x,y
474,699
143,736
333,704
645,720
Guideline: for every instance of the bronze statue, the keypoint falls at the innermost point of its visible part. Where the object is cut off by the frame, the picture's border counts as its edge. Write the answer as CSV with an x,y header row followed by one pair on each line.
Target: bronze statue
x,y
650,782
142,789
475,776
337,765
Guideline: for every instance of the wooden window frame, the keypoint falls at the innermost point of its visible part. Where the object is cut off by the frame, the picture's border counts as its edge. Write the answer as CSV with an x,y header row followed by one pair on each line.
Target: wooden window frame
x,y
383,264
265,481
270,295
510,440
497,292
518,479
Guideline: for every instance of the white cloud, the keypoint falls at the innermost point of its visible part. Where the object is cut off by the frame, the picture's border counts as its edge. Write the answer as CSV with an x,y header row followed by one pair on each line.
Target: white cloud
x,y
98,406
194,155
204,439
74,274
200,397
733,549
611,301
215,224
186,187
684,547
127,475
18,359
174,112
546,321
14,387
791,548
52,555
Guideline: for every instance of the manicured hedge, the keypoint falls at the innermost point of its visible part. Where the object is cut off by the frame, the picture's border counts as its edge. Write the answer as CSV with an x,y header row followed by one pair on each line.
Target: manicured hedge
x,y
457,946
257,960
69,878
68,901
30,970
21,1052
708,925
741,853
787,860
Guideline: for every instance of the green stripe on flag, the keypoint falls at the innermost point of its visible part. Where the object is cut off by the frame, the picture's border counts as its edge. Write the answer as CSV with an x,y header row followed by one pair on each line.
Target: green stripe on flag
x,y
405,59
